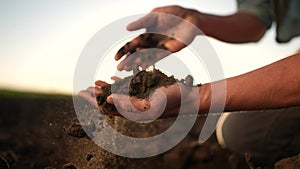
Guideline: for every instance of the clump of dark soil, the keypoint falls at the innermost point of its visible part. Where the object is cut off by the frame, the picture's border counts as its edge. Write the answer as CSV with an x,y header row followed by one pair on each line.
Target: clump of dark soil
x,y
140,85
75,129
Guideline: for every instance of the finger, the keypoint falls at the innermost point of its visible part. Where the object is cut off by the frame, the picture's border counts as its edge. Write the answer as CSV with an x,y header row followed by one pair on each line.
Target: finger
x,y
88,97
147,64
145,40
138,61
101,83
94,90
154,57
129,47
127,67
130,107
125,64
115,78
143,22
124,102
128,62
143,58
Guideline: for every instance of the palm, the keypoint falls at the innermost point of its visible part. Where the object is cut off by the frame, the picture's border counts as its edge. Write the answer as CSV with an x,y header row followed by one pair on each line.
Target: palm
x,y
168,30
164,102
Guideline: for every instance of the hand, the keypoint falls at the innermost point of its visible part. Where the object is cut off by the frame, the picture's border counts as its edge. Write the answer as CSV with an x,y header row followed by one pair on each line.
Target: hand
x,y
163,102
91,93
163,31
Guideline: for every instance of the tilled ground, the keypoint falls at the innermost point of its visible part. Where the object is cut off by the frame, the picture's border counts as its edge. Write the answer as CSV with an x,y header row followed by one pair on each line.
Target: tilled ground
x,y
43,132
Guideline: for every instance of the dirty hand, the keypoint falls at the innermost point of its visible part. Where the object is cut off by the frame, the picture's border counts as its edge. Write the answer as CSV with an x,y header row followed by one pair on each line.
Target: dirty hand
x,y
162,103
91,93
163,31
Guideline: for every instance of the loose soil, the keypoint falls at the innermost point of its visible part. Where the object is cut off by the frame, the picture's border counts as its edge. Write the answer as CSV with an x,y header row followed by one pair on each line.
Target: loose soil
x,y
43,132
140,85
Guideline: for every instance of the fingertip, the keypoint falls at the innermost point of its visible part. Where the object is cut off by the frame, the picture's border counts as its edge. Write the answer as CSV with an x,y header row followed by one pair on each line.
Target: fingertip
x,y
115,78
100,83
109,99
117,57
145,65
136,25
120,67
129,27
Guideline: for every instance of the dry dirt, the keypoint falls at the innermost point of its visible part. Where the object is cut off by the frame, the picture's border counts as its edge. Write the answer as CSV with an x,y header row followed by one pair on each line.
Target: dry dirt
x,y
39,132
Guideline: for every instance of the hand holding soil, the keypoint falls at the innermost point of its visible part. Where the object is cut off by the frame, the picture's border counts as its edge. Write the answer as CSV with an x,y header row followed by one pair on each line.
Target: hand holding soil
x,y
144,96
164,102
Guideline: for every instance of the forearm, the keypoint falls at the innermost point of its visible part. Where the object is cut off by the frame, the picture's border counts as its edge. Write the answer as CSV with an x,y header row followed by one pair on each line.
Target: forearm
x,y
274,86
236,28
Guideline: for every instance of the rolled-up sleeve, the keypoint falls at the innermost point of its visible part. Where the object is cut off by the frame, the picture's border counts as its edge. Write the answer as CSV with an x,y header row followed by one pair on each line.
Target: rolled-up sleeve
x,y
262,9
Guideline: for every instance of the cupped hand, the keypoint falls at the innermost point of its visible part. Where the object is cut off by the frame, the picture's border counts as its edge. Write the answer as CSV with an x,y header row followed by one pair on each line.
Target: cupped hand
x,y
162,103
168,28
90,94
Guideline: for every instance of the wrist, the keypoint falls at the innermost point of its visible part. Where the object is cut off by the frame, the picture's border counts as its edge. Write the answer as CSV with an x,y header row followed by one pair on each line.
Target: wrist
x,y
200,22
204,98
195,17
212,97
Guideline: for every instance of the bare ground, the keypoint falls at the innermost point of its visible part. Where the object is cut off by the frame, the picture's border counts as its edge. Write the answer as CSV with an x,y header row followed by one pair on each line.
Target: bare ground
x,y
34,134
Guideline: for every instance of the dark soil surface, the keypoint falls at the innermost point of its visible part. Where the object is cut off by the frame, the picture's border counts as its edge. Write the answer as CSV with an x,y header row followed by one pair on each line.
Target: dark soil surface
x,y
42,132
139,85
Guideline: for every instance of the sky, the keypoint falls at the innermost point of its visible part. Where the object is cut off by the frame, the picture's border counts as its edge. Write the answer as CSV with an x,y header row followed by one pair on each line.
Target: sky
x,y
41,41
